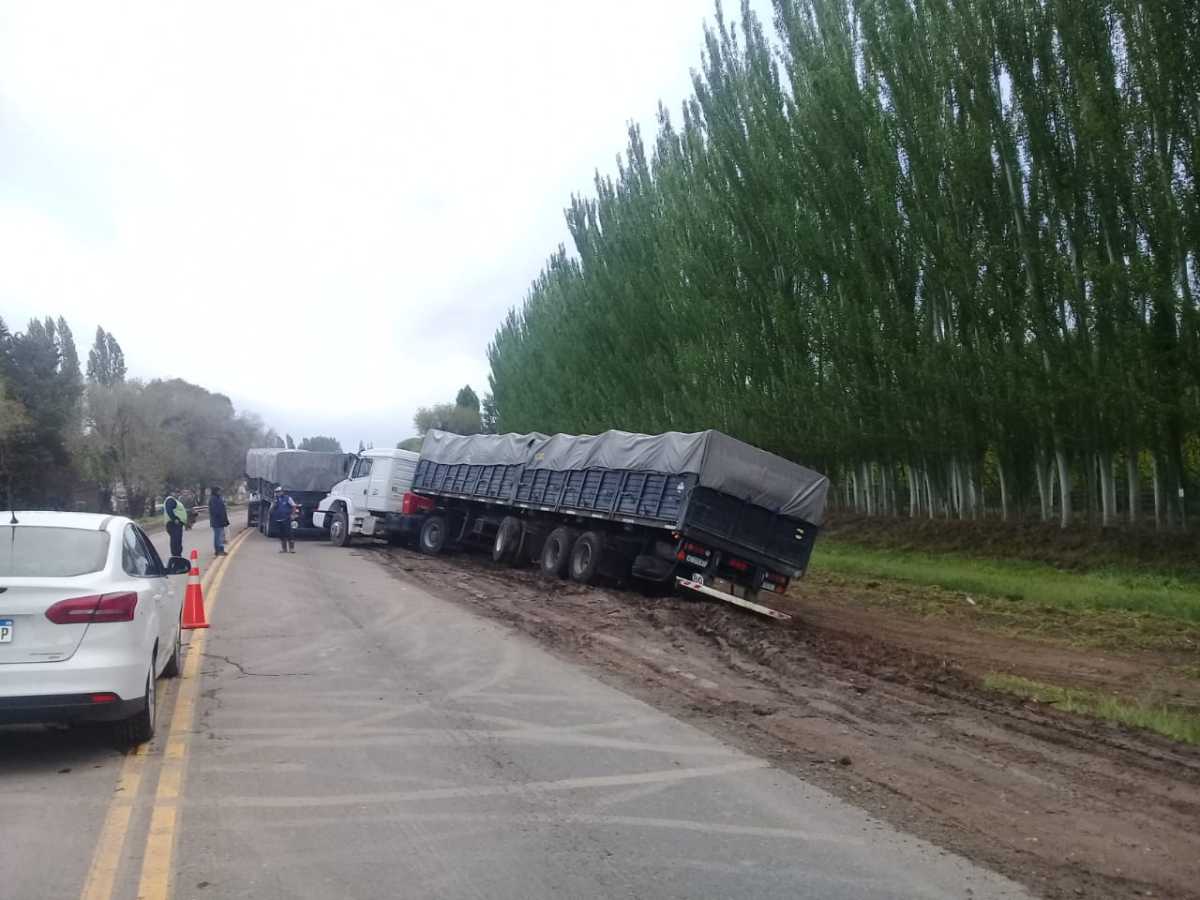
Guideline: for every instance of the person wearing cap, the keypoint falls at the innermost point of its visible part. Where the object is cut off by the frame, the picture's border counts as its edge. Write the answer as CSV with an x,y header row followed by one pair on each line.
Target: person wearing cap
x,y
282,511
218,518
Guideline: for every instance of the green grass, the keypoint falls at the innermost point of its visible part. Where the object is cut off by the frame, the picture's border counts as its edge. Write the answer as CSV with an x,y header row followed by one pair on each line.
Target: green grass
x,y
1020,582
1177,724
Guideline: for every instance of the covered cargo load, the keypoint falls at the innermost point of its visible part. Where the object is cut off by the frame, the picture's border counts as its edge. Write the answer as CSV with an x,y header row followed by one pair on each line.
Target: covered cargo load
x,y
705,483
296,470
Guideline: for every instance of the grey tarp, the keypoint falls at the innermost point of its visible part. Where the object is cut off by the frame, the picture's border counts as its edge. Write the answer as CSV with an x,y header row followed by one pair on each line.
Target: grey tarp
x,y
721,463
480,449
296,470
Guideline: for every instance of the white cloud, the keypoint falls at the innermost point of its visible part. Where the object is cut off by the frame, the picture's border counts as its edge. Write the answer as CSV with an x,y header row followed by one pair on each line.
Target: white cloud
x,y
321,209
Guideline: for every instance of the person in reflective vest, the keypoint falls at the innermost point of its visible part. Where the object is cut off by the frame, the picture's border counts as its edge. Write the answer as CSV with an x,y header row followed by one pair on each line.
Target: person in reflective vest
x,y
282,512
176,518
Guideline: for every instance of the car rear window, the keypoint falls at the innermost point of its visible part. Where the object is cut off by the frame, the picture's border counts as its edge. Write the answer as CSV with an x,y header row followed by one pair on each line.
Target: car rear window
x,y
30,551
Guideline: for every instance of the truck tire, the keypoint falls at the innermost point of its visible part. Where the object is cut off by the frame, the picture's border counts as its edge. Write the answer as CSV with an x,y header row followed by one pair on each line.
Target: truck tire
x,y
434,535
585,557
508,540
339,528
556,552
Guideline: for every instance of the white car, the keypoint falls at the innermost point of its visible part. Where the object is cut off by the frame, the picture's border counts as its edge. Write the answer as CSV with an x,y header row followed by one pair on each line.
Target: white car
x,y
88,621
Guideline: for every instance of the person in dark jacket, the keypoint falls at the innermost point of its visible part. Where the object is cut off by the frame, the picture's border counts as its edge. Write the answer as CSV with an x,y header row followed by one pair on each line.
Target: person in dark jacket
x,y
218,518
282,512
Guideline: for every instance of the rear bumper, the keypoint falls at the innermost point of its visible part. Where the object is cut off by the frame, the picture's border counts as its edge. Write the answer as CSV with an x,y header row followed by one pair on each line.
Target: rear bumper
x,y
65,708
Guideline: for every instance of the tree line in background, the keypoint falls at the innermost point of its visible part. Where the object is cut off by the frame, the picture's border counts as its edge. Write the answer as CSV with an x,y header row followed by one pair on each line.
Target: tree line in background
x,y
466,415
105,442
944,250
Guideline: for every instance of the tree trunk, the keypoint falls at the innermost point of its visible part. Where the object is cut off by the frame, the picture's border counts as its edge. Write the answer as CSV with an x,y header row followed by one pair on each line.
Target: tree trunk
x,y
914,503
928,492
1003,489
1156,476
1064,486
1108,489
1045,485
1132,485
866,480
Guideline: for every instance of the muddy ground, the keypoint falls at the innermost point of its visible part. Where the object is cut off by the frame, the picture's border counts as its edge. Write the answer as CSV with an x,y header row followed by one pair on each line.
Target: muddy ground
x,y
885,710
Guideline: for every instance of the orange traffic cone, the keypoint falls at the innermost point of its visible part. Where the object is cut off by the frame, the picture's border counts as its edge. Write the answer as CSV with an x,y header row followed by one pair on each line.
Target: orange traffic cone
x,y
193,600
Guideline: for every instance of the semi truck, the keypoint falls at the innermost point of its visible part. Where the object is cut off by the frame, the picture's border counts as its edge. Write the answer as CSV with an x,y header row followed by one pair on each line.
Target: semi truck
x,y
306,476
375,500
702,511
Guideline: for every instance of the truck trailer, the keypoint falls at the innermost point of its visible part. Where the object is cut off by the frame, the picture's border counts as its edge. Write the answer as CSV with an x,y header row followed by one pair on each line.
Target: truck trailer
x,y
306,476
703,511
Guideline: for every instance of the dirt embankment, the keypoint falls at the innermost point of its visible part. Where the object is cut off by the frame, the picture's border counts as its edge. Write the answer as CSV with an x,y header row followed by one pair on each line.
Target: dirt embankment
x,y
885,711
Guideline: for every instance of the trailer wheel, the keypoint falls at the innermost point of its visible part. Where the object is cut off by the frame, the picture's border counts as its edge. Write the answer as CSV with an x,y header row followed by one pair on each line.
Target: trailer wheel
x,y
556,552
433,535
339,529
508,540
586,556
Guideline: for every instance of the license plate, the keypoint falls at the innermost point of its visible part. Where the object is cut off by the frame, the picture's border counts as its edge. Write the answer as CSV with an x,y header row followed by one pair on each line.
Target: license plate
x,y
6,630
696,560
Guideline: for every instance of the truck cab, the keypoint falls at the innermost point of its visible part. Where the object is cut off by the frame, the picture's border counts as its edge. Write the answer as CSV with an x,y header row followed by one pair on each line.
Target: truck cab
x,y
374,500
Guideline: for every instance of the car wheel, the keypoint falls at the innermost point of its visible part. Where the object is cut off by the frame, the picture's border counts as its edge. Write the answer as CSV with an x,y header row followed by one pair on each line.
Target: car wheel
x,y
508,539
339,529
556,552
175,664
585,557
433,535
140,728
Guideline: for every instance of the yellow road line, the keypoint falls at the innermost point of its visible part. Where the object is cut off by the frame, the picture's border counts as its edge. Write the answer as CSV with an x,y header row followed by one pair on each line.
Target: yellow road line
x,y
155,881
106,860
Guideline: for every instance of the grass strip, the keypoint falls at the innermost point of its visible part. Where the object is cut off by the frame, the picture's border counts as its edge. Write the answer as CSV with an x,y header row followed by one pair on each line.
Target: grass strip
x,y
1177,724
1162,595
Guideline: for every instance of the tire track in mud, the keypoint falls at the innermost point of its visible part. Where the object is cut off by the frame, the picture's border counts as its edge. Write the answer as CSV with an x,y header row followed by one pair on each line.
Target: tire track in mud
x,y
1068,806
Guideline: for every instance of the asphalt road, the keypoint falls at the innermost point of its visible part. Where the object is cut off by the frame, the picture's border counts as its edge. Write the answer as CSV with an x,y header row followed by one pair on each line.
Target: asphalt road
x,y
341,733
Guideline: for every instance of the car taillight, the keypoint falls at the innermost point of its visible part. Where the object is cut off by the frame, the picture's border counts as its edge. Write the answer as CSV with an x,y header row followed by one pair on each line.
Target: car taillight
x,y
411,504
96,608
738,565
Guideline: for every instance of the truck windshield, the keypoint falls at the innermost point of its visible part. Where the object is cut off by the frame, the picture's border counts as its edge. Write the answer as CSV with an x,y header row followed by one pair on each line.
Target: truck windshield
x,y
28,551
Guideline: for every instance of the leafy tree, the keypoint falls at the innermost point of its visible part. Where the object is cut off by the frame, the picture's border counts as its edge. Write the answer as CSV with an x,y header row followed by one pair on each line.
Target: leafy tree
x,y
106,360
321,443
291,445
412,443
467,398
947,250
489,415
448,417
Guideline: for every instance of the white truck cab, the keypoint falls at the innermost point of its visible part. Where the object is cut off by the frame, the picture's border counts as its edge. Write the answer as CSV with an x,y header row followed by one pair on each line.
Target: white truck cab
x,y
371,501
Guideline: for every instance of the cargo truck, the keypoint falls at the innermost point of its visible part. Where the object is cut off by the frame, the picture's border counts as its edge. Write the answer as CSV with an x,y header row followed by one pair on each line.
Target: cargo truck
x,y
703,511
375,500
306,475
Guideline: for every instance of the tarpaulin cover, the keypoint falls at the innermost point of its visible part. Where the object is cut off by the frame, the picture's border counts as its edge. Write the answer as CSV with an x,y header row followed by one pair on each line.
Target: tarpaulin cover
x,y
296,470
480,449
721,463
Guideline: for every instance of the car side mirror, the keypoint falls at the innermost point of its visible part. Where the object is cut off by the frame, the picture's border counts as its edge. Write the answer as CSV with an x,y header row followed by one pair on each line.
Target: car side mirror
x,y
177,565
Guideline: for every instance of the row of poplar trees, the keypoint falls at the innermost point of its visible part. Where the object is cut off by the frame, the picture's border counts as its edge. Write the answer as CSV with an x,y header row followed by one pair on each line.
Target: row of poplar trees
x,y
944,250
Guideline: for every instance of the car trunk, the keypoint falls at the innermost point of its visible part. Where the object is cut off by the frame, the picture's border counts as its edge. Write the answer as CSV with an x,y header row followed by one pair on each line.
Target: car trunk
x,y
32,637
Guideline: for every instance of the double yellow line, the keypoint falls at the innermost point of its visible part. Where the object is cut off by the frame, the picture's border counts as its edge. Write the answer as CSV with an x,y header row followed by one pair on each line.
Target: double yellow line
x,y
157,860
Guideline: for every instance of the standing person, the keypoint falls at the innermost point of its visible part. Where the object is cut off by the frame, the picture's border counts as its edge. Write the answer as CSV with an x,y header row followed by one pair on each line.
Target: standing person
x,y
282,512
218,518
176,516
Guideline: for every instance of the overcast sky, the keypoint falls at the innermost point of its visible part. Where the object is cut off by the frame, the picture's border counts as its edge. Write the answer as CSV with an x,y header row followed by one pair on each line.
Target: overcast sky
x,y
322,210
